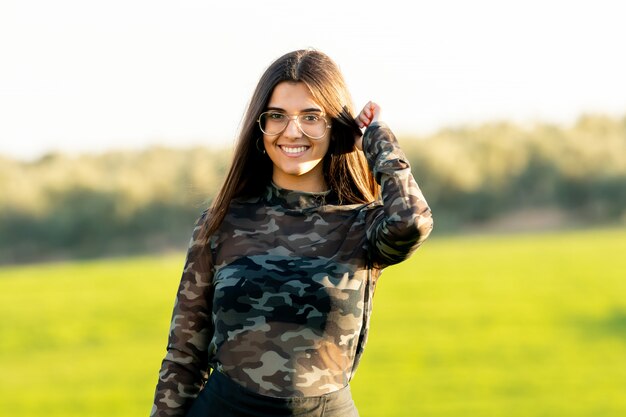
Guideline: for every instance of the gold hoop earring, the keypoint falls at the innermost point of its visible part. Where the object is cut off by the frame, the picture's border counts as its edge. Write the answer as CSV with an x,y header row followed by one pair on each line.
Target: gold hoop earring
x,y
258,146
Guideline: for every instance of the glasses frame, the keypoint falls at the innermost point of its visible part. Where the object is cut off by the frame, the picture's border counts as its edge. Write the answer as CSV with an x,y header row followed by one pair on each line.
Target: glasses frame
x,y
293,117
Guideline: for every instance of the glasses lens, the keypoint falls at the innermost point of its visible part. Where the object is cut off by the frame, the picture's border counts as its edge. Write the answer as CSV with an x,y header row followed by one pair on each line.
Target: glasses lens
x,y
312,125
272,123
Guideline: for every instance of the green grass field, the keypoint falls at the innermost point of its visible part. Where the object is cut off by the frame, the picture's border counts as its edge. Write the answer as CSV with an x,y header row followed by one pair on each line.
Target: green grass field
x,y
527,325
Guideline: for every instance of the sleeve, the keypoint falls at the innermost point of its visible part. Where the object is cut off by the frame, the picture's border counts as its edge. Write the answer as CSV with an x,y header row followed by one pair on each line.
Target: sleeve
x,y
397,229
185,366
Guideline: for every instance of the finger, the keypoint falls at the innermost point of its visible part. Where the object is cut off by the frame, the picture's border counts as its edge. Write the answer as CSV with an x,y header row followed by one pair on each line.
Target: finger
x,y
367,111
362,117
376,110
364,121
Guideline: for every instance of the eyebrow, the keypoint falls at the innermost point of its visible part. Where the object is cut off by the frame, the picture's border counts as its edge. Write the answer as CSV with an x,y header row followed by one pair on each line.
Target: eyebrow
x,y
309,110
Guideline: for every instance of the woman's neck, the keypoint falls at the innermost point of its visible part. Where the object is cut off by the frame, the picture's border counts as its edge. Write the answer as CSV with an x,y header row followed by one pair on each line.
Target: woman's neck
x,y
306,183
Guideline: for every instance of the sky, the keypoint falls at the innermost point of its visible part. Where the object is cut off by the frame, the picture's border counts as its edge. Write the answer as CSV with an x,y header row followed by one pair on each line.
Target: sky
x,y
92,76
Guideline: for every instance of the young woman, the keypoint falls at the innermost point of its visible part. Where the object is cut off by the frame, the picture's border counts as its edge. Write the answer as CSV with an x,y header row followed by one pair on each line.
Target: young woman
x,y
277,288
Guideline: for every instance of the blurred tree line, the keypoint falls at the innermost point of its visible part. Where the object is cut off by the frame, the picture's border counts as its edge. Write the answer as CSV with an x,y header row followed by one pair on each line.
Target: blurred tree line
x,y
145,201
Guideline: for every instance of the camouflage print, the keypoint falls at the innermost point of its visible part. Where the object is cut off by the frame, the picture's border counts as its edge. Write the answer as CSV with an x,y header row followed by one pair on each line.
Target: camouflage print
x,y
185,366
281,300
405,220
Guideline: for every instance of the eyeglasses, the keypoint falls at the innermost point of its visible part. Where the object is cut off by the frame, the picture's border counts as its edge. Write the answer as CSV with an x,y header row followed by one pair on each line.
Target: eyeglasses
x,y
313,125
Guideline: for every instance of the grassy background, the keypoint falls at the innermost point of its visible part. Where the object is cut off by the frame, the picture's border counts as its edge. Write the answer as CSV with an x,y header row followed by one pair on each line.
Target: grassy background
x,y
526,325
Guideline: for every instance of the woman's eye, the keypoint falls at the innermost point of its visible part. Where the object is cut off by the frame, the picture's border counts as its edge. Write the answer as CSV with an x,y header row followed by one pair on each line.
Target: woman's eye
x,y
311,117
277,116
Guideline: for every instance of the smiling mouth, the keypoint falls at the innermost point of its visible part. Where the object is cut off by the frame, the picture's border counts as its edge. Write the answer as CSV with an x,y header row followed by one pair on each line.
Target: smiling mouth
x,y
293,150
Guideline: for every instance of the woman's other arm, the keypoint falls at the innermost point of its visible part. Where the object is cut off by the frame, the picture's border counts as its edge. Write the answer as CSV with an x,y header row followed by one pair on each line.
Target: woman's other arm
x,y
405,221
185,367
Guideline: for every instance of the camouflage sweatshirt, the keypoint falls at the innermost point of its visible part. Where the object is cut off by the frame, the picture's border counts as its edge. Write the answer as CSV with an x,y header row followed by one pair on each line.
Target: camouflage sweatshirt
x,y
281,303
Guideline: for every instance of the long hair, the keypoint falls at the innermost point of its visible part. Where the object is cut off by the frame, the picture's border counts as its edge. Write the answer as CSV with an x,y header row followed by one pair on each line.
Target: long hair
x,y
345,168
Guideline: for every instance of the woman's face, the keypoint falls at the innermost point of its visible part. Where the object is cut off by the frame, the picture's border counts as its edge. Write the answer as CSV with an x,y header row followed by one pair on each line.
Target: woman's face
x,y
297,158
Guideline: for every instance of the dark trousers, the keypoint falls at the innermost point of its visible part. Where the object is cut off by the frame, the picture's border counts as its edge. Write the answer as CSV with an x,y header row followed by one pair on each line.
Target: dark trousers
x,y
222,397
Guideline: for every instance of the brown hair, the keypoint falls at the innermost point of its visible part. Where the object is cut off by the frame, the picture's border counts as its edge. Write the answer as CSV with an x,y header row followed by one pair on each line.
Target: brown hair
x,y
345,168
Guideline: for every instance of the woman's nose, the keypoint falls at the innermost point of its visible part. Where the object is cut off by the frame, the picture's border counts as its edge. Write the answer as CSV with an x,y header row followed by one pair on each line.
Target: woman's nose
x,y
293,130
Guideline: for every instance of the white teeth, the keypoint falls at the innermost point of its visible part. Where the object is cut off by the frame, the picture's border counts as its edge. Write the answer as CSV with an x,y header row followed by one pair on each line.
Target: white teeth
x,y
294,150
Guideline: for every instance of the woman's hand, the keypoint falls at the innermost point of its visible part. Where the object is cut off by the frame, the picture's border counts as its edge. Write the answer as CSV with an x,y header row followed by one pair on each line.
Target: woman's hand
x,y
369,114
